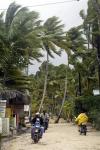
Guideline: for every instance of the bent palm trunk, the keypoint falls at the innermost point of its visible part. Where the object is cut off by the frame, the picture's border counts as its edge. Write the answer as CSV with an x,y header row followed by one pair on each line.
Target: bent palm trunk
x,y
45,84
63,101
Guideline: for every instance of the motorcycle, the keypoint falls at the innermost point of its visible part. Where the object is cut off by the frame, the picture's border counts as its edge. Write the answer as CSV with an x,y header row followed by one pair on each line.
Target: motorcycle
x,y
83,129
46,123
36,133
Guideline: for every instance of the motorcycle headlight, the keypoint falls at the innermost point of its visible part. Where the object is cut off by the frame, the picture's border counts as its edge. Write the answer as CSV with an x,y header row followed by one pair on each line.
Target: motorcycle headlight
x,y
36,130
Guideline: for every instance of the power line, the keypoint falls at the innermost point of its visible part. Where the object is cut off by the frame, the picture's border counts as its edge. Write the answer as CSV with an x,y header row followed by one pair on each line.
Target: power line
x,y
47,4
54,3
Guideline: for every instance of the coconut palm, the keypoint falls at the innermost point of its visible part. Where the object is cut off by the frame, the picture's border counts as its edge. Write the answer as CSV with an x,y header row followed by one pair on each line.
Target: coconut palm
x,y
64,45
19,35
52,34
74,43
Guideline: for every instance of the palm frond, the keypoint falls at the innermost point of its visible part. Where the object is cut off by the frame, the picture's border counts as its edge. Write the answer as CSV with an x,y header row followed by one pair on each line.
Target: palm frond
x,y
10,14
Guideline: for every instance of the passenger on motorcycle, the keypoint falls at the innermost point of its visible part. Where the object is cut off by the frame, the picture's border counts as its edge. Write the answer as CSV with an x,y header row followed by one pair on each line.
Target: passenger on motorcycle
x,y
81,119
37,121
45,117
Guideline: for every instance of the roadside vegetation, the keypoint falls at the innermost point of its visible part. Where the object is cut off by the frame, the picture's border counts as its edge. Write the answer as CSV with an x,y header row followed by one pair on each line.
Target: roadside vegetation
x,y
62,90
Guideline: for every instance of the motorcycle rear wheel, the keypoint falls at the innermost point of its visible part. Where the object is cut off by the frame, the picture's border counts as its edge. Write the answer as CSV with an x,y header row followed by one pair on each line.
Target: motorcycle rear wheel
x,y
36,139
85,133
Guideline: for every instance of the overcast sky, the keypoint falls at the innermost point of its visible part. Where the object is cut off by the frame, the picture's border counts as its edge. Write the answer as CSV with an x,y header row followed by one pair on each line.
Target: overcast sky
x,y
68,12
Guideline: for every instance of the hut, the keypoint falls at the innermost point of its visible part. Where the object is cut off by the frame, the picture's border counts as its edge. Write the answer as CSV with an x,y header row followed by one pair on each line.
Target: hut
x,y
15,104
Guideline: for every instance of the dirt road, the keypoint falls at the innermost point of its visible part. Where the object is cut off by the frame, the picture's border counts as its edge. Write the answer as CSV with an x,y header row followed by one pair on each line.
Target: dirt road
x,y
58,137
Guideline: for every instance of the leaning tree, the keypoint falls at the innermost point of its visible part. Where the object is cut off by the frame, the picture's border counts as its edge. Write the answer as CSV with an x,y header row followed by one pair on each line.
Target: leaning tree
x,y
52,33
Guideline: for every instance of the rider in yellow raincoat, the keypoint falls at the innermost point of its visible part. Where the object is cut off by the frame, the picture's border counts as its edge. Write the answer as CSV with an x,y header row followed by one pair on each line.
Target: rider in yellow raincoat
x,y
81,119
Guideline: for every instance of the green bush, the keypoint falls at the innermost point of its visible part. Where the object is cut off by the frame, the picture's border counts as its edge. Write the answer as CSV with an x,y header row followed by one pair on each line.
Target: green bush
x,y
95,116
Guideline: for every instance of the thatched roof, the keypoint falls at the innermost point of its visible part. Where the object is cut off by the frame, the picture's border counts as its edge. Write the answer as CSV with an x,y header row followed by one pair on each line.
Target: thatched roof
x,y
15,97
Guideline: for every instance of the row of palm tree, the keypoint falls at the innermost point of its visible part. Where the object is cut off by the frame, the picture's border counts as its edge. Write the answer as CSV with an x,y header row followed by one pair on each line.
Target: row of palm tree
x,y
23,38
81,44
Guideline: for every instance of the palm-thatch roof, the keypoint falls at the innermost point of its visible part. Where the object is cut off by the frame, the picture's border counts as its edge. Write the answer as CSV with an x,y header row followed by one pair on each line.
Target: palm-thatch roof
x,y
14,97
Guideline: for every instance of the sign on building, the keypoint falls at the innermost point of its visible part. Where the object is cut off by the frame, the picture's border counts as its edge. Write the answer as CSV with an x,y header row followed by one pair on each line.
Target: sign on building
x,y
26,107
2,108
96,92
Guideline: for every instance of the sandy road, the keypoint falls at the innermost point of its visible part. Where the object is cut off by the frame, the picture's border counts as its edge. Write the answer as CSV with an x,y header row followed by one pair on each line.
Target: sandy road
x,y
58,137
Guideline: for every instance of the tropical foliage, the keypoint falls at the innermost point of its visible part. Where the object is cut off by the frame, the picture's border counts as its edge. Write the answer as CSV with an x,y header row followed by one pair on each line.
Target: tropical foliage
x,y
19,41
59,89
52,34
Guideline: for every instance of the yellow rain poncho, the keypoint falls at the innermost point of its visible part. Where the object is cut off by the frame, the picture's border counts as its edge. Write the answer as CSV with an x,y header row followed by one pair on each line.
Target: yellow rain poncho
x,y
82,118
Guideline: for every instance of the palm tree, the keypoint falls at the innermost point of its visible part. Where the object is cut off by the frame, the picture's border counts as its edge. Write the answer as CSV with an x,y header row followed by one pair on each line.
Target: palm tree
x,y
92,19
19,37
65,46
96,6
53,33
74,42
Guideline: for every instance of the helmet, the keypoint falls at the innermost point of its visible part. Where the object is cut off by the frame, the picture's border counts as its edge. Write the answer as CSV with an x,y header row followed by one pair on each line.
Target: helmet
x,y
37,114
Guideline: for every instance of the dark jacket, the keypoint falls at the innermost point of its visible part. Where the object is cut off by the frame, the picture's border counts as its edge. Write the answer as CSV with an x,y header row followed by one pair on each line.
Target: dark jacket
x,y
33,121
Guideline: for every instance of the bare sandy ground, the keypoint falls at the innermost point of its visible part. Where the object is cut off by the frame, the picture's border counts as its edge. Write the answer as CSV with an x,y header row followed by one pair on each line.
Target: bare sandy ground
x,y
58,137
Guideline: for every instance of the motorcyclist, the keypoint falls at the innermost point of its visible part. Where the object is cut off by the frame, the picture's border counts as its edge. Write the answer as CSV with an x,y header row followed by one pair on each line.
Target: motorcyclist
x,y
39,120
81,119
45,117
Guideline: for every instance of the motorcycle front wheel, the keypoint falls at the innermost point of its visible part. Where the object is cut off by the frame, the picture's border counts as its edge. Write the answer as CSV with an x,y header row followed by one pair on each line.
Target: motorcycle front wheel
x,y
36,139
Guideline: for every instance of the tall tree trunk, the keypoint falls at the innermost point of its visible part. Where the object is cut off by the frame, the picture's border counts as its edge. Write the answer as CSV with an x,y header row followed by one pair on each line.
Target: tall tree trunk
x,y
27,69
63,101
80,90
98,53
88,36
88,85
96,6
64,98
99,76
45,83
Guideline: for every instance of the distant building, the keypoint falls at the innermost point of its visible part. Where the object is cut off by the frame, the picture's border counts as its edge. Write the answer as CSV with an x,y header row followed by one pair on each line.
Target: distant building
x,y
15,104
